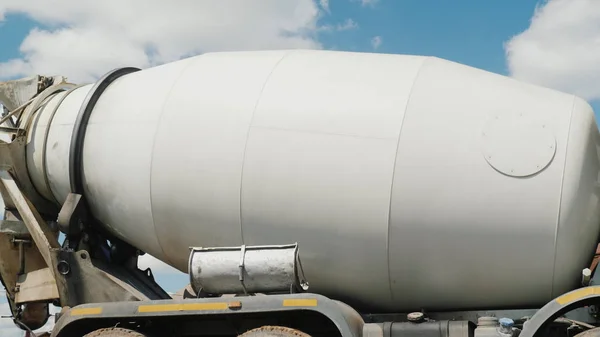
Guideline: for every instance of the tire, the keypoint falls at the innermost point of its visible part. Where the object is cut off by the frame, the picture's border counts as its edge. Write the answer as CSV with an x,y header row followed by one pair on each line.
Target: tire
x,y
114,332
274,331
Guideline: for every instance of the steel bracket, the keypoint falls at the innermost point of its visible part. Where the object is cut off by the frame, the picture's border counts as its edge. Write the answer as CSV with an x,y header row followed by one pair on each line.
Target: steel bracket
x,y
72,215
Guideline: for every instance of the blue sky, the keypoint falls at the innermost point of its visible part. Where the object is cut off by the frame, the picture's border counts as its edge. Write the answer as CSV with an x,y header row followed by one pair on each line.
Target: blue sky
x,y
468,31
473,34
83,40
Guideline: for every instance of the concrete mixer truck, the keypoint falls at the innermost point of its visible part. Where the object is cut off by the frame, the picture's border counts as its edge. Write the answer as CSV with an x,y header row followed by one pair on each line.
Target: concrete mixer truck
x,y
305,193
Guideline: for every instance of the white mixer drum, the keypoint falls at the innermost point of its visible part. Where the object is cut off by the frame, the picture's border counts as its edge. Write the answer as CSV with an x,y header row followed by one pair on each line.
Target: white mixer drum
x,y
408,182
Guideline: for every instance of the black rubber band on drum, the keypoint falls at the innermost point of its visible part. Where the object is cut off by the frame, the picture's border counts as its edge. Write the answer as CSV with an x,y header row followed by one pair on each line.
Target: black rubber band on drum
x,y
80,127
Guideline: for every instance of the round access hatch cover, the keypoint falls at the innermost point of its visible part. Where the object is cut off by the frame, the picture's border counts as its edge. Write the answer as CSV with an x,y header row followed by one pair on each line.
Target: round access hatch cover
x,y
518,144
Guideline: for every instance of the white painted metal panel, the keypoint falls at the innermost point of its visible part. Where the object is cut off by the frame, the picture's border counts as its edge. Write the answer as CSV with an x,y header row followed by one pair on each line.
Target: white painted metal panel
x,y
199,151
329,193
35,154
461,230
118,151
338,93
59,141
319,163
577,230
377,165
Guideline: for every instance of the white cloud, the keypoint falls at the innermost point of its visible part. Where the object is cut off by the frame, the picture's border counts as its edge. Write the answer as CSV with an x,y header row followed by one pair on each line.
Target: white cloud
x,y
368,2
348,24
85,39
376,42
156,265
7,327
325,5
365,3
560,49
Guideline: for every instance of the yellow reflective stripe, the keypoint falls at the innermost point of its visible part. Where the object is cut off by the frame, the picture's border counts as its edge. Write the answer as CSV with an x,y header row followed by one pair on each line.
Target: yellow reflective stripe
x,y
86,311
182,307
300,302
578,294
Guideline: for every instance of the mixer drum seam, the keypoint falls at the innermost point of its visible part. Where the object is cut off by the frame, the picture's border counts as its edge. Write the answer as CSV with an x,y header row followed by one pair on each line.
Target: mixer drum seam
x,y
389,223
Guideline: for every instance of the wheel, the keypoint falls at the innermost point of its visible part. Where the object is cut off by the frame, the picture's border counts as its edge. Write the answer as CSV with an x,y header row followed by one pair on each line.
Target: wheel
x,y
114,332
273,331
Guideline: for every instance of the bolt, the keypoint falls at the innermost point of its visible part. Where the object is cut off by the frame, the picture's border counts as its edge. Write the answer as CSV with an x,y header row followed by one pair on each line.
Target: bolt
x,y
586,277
506,322
63,267
415,317
506,326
